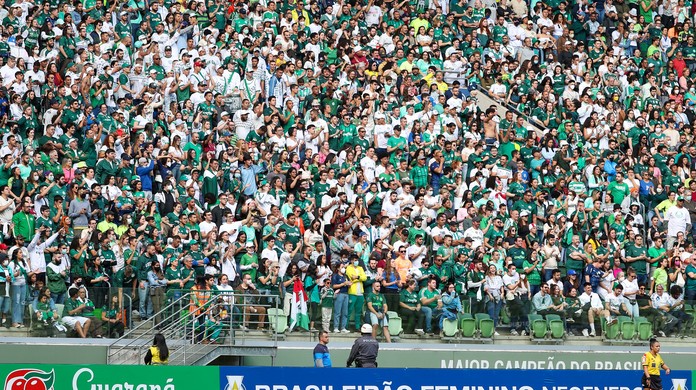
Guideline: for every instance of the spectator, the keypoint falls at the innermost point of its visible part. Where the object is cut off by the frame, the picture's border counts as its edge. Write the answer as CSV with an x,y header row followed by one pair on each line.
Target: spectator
x,y
377,306
431,303
594,307
73,314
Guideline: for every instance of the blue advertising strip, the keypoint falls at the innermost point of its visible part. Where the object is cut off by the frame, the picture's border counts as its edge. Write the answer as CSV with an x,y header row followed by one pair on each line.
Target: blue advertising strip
x,y
288,378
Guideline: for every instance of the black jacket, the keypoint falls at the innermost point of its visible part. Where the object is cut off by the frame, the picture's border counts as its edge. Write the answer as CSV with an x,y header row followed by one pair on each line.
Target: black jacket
x,y
364,352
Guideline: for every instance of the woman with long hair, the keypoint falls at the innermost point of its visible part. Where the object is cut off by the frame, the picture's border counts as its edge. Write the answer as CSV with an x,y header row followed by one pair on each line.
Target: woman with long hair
x,y
391,283
112,317
157,285
158,354
493,287
20,273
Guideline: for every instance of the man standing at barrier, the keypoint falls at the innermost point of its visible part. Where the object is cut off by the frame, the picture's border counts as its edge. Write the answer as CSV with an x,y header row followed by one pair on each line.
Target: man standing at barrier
x,y
652,363
321,351
365,349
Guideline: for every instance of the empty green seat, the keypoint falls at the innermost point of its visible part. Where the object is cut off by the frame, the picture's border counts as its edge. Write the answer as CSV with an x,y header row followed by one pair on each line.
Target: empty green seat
x,y
395,323
555,325
468,325
485,325
643,328
627,328
278,320
449,328
537,326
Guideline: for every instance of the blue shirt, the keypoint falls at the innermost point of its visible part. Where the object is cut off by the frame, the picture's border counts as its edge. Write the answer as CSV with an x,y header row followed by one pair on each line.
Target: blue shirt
x,y
339,279
645,187
249,178
321,351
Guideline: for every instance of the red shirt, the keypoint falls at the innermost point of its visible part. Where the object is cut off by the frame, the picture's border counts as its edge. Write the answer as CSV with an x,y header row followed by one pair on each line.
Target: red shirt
x,y
679,66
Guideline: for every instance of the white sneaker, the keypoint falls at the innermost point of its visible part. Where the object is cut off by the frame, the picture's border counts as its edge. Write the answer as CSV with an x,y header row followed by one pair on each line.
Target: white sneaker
x,y
345,331
514,332
593,334
337,330
585,333
662,334
419,332
524,333
496,334
612,322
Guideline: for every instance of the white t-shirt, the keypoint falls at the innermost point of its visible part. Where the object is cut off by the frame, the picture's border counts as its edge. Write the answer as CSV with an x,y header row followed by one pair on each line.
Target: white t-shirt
x,y
678,218
207,227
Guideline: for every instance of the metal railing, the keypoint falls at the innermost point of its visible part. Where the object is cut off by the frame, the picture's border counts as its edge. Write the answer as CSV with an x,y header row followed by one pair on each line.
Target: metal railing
x,y
539,128
227,319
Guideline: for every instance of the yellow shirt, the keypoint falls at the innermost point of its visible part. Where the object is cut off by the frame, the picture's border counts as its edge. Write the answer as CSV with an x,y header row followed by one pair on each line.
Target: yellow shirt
x,y
653,362
357,276
156,361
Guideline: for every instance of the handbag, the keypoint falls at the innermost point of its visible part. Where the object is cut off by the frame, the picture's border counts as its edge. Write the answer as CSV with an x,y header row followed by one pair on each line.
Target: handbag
x,y
236,281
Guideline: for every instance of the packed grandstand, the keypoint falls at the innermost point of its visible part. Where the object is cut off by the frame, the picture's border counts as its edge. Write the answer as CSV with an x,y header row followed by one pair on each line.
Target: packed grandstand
x,y
332,159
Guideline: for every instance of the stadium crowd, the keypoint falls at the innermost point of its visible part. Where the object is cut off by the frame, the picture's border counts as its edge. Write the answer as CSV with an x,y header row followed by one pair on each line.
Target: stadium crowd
x,y
338,147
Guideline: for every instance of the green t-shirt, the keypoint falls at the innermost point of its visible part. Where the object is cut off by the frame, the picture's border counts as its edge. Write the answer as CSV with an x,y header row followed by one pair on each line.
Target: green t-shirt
x,y
377,301
426,293
641,265
409,298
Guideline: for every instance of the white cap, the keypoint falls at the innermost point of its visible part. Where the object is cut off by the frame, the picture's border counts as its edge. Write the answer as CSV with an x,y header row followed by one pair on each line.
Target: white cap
x,y
366,328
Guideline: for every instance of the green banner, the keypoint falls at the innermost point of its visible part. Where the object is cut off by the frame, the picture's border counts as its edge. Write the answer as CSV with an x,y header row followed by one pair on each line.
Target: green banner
x,y
95,377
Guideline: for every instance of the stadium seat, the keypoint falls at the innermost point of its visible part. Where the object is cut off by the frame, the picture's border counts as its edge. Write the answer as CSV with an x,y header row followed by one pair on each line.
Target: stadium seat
x,y
690,309
610,332
627,328
449,328
644,328
395,324
278,320
537,326
505,315
59,309
555,325
485,325
468,325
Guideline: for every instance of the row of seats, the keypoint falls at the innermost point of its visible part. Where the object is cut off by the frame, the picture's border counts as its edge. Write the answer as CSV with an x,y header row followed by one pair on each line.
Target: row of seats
x,y
479,326
628,329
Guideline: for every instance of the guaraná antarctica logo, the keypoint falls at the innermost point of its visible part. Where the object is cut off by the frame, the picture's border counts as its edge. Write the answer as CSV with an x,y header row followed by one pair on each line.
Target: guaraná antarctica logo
x,y
29,379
